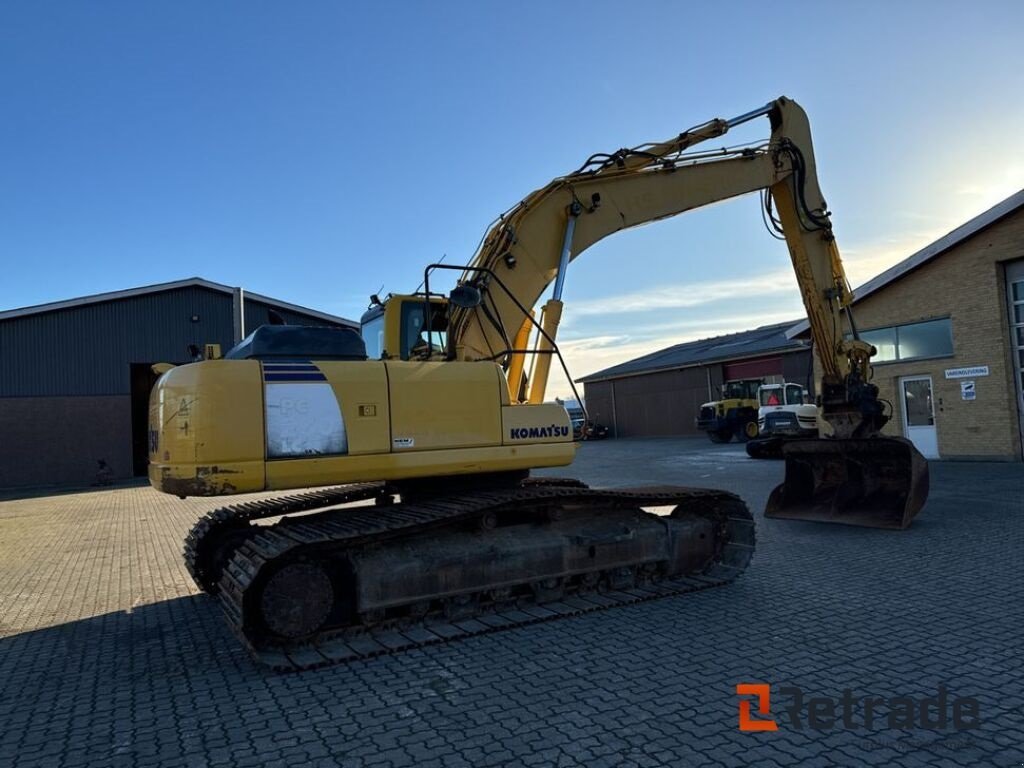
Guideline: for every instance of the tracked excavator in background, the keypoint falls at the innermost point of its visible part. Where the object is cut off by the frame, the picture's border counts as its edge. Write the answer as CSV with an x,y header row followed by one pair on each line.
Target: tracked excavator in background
x,y
434,417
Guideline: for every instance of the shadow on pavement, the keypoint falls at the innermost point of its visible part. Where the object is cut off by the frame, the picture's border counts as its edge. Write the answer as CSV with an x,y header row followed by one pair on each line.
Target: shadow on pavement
x,y
41,491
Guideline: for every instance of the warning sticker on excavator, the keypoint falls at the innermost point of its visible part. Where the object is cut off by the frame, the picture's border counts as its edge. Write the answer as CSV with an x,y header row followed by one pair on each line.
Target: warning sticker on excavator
x,y
403,442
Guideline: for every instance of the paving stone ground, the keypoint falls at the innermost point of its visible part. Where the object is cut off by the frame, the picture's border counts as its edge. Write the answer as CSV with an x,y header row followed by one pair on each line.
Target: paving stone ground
x,y
109,657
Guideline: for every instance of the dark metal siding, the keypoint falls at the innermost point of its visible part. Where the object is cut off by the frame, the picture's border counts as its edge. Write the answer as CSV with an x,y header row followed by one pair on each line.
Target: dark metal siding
x,y
257,314
663,403
797,368
598,398
86,350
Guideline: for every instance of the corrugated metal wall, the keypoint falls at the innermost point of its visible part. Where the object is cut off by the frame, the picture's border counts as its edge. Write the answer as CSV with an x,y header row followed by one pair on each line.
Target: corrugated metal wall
x,y
661,403
65,377
256,314
797,369
87,350
598,398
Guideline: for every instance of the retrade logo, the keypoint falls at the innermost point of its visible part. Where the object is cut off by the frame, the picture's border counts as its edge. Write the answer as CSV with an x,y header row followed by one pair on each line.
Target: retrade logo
x,y
848,711
763,694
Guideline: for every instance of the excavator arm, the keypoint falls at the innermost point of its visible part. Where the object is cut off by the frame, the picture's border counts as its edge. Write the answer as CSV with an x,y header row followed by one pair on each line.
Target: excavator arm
x,y
532,245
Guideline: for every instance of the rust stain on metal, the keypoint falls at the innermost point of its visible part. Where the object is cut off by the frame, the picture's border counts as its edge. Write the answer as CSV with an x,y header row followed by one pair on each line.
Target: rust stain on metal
x,y
208,481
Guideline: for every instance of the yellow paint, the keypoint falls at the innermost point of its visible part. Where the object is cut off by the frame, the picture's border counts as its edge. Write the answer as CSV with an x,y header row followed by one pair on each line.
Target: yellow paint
x,y
550,320
517,361
208,412
358,386
445,405
403,420
301,473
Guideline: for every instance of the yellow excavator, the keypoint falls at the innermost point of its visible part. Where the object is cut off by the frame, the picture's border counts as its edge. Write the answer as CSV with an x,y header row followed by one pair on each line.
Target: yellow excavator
x,y
433,417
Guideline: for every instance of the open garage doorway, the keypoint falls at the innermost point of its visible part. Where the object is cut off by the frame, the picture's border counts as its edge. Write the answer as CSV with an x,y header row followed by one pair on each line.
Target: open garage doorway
x,y
143,379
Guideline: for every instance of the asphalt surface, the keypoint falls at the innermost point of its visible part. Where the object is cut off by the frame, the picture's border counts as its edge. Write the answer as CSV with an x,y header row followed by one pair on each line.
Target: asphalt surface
x,y
108,657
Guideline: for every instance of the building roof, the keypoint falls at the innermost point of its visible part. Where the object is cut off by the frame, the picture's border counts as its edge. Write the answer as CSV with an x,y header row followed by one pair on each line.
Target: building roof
x,y
929,252
760,341
190,282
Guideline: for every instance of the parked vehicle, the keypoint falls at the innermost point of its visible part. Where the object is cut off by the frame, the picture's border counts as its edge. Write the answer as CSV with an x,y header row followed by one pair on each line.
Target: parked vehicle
x,y
785,413
734,415
786,410
587,430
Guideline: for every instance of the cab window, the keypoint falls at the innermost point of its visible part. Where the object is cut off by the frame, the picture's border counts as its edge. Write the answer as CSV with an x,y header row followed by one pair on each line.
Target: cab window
x,y
417,338
373,337
794,394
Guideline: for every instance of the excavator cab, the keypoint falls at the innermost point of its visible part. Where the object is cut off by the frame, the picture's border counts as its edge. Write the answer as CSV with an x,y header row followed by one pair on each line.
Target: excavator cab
x,y
876,482
397,329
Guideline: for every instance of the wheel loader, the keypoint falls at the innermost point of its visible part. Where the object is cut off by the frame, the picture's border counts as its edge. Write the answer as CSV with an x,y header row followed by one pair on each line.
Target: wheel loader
x,y
421,433
734,415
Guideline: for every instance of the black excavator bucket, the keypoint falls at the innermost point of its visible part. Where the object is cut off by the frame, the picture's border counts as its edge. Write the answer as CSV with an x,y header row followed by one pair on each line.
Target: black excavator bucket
x,y
879,482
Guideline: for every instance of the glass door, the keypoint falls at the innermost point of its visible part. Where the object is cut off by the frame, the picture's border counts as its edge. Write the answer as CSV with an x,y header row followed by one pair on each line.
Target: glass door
x,y
919,414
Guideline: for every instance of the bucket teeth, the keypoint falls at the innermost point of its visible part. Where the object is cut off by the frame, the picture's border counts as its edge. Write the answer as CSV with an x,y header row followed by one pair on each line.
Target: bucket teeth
x,y
879,482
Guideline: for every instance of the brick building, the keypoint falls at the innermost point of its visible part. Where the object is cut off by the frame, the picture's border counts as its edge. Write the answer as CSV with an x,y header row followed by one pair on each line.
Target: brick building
x,y
948,323
75,375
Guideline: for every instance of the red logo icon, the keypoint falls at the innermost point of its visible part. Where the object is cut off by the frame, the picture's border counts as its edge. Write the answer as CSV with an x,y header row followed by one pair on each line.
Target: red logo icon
x,y
761,691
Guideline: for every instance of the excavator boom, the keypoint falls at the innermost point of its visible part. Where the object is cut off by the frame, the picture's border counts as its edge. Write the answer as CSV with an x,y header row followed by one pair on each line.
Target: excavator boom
x,y
531,246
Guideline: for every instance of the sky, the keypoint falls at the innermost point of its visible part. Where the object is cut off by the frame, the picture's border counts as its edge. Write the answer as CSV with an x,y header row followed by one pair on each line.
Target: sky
x,y
319,151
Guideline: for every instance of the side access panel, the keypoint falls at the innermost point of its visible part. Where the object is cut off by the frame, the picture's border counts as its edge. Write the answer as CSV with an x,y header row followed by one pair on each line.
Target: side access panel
x,y
445,405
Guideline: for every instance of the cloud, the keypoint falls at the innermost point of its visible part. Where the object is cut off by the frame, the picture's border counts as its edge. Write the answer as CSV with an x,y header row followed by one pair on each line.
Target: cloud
x,y
689,329
685,295
992,181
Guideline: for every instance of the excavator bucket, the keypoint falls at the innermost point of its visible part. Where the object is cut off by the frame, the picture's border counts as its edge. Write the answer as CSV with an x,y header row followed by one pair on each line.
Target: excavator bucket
x,y
879,482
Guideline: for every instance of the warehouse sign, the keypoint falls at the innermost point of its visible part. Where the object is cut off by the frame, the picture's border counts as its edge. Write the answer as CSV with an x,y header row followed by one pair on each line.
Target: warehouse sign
x,y
966,373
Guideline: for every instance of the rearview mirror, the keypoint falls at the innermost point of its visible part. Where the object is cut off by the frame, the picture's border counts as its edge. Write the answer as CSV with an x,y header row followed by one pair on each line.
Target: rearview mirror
x,y
465,296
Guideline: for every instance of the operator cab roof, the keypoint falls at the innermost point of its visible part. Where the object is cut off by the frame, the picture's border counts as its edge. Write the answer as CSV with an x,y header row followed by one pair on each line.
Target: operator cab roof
x,y
299,342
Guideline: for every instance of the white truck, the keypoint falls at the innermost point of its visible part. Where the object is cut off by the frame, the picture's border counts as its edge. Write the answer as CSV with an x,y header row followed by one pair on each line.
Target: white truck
x,y
784,412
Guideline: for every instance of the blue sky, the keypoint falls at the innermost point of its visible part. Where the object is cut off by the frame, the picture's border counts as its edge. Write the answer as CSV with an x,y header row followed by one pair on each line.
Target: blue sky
x,y
315,151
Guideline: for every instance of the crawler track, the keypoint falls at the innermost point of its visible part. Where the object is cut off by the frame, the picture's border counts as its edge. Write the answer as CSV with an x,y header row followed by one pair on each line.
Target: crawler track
x,y
250,556
209,543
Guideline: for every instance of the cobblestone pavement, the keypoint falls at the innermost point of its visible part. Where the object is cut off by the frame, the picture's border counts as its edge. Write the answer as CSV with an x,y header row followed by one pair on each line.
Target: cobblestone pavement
x,y
108,657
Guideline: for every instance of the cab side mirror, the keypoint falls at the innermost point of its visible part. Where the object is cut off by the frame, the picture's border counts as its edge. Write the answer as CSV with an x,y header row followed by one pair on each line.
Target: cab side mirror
x,y
465,296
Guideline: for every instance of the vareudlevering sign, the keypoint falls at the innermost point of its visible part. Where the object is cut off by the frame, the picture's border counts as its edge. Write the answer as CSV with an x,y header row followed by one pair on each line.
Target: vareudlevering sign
x,y
966,373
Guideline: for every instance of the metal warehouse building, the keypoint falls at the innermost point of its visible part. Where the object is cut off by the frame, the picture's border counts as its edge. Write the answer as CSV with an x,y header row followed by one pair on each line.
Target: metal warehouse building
x,y
661,393
75,375
948,323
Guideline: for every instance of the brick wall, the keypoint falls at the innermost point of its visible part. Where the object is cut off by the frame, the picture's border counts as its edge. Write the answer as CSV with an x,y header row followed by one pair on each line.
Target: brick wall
x,y
966,284
58,440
